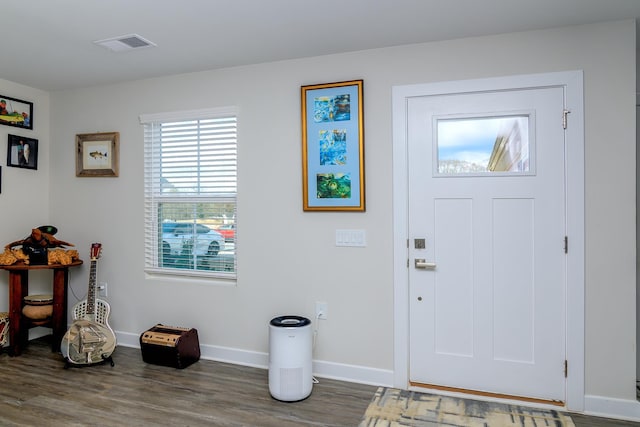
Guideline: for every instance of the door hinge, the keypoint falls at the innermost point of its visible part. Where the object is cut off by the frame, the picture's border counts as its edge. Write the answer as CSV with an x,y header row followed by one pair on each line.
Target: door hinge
x,y
407,248
566,244
566,368
564,118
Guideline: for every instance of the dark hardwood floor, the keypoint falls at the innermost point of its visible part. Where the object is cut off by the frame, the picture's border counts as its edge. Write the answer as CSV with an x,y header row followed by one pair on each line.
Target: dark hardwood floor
x,y
36,390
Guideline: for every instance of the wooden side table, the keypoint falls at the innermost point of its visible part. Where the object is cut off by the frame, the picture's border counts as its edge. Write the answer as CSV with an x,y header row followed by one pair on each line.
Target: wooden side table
x,y
19,288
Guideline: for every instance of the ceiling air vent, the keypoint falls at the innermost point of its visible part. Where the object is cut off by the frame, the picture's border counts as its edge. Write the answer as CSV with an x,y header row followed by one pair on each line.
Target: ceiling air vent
x,y
125,43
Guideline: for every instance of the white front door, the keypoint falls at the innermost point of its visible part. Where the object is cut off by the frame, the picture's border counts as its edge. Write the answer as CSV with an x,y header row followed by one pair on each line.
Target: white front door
x,y
486,228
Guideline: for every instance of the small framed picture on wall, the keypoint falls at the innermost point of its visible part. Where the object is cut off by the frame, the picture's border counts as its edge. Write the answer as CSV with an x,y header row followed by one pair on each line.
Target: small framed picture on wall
x,y
22,152
16,112
97,154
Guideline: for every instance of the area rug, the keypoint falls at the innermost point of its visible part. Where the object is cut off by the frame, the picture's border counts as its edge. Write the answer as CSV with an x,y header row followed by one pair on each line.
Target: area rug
x,y
392,407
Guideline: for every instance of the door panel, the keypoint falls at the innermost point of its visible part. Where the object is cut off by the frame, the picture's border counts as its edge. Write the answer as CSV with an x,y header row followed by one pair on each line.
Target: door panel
x,y
513,259
491,315
453,288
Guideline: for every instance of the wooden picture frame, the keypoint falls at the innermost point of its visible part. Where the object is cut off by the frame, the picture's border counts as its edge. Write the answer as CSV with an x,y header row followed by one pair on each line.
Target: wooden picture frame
x,y
333,147
22,152
97,154
16,112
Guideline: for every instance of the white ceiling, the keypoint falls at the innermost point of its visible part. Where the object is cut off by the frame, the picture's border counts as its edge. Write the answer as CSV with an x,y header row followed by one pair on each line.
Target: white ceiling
x,y
48,44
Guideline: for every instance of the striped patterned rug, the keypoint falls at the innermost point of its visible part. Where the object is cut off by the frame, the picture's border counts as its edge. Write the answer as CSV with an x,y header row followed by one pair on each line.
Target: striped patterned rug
x,y
392,407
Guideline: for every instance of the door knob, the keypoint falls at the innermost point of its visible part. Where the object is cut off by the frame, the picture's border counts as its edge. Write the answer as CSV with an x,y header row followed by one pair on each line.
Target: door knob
x,y
424,265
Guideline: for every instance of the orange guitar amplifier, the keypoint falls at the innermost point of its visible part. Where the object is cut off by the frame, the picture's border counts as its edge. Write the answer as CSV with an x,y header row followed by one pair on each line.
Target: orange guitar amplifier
x,y
170,346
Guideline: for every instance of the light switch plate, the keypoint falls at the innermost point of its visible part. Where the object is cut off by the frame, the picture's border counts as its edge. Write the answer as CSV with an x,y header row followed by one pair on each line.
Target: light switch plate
x,y
356,238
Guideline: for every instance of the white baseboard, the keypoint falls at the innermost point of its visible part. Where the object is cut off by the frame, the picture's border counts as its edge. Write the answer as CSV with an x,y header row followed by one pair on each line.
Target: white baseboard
x,y
321,369
607,407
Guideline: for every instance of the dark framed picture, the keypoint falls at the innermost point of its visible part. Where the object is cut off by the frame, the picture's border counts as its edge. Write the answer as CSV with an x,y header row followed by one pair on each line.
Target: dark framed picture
x,y
15,112
22,152
333,147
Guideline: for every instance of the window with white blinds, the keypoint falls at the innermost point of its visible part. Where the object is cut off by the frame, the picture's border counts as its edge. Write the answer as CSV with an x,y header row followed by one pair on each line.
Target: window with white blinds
x,y
190,177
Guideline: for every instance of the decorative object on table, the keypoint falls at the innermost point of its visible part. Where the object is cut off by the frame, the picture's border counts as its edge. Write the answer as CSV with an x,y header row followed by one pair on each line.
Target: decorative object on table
x,y
171,346
22,152
15,112
38,308
39,248
90,340
97,154
333,147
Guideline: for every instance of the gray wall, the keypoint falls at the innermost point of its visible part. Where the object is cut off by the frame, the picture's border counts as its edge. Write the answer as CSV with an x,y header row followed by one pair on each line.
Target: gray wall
x,y
287,259
25,198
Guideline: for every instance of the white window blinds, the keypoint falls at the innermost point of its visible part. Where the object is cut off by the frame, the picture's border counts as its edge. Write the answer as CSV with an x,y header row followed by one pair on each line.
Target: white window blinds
x,y
190,192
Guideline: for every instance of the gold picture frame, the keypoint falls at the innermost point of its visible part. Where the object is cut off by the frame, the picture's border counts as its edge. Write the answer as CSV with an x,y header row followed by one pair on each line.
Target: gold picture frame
x,y
333,147
97,154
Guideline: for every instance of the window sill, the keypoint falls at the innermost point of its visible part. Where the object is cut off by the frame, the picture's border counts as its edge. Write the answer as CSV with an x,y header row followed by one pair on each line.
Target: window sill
x,y
190,276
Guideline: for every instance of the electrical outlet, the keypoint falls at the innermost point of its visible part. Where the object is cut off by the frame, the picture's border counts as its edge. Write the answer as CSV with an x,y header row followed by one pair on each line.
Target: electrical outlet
x,y
102,289
322,311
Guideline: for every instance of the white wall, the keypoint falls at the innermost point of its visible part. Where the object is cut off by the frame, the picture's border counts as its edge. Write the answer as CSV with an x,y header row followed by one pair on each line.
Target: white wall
x,y
287,258
24,197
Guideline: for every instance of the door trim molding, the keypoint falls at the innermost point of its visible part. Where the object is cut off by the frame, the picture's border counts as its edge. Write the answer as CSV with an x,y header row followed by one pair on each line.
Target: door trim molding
x,y
572,83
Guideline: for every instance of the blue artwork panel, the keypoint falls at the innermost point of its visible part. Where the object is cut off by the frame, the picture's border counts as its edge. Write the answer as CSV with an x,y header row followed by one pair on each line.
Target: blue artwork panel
x,y
333,147
332,108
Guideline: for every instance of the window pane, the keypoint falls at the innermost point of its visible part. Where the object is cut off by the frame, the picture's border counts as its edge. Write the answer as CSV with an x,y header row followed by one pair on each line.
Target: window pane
x,y
483,145
188,236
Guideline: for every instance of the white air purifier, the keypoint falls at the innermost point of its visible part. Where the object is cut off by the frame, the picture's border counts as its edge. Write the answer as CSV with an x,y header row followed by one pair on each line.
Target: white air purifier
x,y
290,352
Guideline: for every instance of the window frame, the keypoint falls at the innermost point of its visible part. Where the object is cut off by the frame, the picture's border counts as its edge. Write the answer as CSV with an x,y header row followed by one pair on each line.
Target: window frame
x,y
153,197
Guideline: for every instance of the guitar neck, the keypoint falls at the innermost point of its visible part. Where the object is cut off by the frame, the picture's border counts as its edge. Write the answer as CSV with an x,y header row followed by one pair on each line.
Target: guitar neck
x,y
91,293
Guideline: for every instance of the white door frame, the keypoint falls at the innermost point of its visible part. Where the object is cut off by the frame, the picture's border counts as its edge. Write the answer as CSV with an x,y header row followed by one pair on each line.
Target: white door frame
x,y
572,82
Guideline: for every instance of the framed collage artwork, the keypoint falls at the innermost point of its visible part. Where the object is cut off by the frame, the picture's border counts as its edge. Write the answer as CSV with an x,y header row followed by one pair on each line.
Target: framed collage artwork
x,y
333,147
